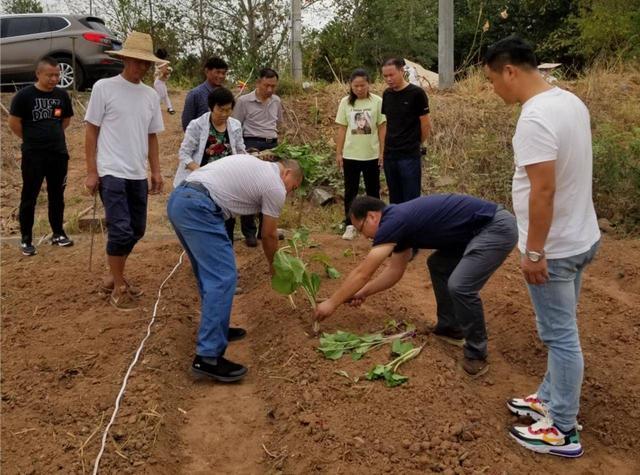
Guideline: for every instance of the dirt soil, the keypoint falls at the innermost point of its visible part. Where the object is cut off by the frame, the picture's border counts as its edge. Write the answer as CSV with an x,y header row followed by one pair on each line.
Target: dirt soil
x,y
65,352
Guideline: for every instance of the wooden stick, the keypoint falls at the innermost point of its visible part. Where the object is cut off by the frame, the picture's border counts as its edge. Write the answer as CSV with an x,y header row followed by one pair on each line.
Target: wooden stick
x,y
93,221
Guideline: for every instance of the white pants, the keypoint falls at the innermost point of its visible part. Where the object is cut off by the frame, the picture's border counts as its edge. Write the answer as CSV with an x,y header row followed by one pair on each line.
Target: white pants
x,y
161,88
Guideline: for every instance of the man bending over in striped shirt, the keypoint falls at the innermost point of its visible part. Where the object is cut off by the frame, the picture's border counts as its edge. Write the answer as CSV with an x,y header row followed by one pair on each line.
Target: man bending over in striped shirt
x,y
232,186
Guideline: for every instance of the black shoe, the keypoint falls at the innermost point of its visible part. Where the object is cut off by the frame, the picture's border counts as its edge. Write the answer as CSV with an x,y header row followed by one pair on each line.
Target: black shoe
x,y
61,240
236,333
28,249
251,241
220,369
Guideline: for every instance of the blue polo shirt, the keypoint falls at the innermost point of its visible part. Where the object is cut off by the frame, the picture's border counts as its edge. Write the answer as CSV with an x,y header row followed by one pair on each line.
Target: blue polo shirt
x,y
446,222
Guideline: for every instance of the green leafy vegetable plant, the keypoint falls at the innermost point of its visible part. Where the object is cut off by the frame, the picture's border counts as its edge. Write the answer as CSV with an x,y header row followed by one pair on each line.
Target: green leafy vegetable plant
x,y
334,345
325,260
291,272
405,352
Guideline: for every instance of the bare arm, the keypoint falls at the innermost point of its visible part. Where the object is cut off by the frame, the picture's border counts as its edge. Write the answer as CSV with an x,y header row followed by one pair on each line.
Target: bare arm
x,y
269,233
425,127
340,138
15,124
543,187
388,277
65,123
154,164
355,281
382,135
90,152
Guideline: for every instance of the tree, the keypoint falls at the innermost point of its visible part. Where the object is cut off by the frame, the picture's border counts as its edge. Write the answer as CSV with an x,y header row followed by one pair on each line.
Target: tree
x,y
609,28
22,6
366,32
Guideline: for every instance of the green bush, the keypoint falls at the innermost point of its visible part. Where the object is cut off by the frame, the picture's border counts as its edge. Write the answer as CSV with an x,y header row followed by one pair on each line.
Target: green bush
x,y
616,176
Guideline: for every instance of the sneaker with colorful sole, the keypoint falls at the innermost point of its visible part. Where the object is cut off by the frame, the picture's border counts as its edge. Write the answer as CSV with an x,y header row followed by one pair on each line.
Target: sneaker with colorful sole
x,y
529,406
545,437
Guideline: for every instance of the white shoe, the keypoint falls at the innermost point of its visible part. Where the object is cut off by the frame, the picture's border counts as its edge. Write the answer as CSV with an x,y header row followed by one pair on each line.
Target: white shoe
x,y
350,233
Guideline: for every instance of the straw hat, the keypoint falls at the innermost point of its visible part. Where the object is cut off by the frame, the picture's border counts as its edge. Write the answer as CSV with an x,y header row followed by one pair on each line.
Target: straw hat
x,y
138,45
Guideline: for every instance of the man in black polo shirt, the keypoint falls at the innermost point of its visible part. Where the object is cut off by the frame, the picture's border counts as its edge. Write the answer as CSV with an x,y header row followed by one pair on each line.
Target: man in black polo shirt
x,y
472,237
406,107
39,115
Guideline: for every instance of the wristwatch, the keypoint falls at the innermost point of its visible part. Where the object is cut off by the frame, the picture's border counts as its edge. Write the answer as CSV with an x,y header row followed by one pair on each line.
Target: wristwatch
x,y
534,256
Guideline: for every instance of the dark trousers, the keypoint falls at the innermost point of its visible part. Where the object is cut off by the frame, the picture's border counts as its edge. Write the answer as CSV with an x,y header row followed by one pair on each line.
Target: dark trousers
x,y
36,166
371,174
125,208
458,276
404,177
248,223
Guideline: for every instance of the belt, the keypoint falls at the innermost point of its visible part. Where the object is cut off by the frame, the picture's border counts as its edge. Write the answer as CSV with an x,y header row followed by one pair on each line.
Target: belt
x,y
196,185
262,139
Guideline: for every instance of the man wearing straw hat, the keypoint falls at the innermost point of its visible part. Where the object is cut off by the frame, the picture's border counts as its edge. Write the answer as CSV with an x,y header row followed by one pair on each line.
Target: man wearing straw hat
x,y
122,120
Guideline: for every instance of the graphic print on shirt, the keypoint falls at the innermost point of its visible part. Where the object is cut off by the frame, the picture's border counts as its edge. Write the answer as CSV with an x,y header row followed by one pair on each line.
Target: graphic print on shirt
x,y
218,146
360,122
46,108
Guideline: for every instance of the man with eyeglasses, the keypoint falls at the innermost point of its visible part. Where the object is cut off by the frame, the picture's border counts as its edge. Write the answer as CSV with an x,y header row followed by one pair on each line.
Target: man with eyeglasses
x,y
471,238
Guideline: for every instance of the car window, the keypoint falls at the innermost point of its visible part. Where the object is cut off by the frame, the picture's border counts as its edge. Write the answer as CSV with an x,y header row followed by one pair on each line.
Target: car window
x,y
57,23
24,26
4,25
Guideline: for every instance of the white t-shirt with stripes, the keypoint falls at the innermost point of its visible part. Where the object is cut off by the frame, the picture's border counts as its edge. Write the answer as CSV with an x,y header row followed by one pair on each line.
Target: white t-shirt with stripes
x,y
243,185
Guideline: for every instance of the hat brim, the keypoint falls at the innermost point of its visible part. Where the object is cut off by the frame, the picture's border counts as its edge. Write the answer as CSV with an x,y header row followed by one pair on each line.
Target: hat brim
x,y
143,55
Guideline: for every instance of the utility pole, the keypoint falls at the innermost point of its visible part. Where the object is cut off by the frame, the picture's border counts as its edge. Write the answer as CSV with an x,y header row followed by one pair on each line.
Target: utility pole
x,y
296,39
445,44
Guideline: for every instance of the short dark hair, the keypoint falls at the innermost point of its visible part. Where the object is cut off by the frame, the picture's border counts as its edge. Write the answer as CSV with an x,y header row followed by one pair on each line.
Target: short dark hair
x,y
511,50
162,53
397,62
266,73
216,63
47,60
361,205
220,96
357,73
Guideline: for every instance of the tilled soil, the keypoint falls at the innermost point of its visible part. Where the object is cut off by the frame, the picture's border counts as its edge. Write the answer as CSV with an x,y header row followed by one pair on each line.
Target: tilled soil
x,y
65,352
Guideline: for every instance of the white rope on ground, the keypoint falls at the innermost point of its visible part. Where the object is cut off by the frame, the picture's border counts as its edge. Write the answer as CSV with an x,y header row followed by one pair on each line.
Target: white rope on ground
x,y
133,363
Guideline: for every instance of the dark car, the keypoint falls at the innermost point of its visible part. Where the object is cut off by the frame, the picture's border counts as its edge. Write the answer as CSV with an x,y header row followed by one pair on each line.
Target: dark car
x,y
25,39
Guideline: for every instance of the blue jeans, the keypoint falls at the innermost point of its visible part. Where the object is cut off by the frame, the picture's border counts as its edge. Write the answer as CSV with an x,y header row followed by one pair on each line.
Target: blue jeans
x,y
404,177
199,224
555,305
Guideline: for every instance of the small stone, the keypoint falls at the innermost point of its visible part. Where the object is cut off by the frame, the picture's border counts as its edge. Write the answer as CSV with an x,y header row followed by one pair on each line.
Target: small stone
x,y
415,448
406,444
467,436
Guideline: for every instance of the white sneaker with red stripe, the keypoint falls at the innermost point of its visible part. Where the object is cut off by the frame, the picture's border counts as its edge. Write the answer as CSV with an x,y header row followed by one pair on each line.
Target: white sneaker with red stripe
x,y
529,406
546,438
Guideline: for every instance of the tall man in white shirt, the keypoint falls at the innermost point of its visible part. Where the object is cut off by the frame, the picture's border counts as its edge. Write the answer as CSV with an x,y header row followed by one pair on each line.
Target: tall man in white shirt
x,y
122,120
559,234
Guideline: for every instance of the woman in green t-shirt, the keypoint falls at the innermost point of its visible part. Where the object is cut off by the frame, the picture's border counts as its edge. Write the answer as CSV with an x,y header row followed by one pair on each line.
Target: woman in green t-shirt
x,y
359,142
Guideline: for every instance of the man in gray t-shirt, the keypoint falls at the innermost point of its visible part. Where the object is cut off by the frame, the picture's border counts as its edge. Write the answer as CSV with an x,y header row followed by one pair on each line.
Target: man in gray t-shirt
x,y
197,209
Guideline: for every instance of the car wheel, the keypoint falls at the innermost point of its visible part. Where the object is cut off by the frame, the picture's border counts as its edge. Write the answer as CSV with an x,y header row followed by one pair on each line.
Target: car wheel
x,y
69,74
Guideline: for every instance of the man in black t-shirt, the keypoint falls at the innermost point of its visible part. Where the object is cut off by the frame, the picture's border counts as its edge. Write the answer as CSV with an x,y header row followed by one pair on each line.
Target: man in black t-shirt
x,y
472,238
39,115
408,125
